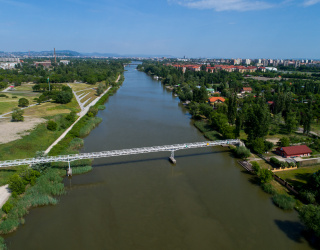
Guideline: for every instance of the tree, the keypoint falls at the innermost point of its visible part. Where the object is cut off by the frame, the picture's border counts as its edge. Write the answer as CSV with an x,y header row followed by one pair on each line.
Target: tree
x,y
16,184
242,152
255,166
63,97
52,125
265,175
284,142
100,89
257,121
291,122
258,145
17,115
310,216
232,109
23,102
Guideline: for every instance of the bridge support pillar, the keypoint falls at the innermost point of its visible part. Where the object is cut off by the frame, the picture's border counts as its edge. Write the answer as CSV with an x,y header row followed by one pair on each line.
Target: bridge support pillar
x,y
171,158
69,171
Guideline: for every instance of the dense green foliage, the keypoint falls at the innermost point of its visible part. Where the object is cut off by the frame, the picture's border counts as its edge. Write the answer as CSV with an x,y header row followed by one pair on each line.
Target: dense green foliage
x,y
17,115
52,125
23,102
89,70
310,216
242,152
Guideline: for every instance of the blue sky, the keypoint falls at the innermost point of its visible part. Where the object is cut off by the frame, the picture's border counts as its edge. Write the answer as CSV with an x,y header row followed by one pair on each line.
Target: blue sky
x,y
194,28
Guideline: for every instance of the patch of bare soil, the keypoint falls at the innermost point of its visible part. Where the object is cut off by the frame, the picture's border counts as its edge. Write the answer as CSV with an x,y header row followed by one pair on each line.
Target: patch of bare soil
x,y
11,131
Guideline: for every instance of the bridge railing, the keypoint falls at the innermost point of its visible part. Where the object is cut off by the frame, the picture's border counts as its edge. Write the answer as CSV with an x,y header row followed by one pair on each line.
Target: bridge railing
x,y
112,153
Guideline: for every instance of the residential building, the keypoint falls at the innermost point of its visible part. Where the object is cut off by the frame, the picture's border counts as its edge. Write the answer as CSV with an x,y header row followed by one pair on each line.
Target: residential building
x,y
294,151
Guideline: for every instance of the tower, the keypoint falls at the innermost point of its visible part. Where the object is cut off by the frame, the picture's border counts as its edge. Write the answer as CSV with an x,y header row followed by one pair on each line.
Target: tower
x,y
55,57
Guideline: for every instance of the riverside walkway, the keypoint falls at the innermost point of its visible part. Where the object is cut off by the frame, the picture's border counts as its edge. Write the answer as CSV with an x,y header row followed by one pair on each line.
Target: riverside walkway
x,y
112,153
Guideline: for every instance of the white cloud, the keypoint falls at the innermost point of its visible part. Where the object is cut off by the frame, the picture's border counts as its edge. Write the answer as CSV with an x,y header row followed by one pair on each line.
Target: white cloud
x,y
310,2
223,5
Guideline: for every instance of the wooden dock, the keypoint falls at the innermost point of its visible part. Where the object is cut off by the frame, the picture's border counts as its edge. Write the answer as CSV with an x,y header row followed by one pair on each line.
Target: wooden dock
x,y
246,165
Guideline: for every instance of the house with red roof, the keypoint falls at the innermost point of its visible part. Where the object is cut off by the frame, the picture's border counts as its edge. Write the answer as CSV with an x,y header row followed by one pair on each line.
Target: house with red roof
x,y
218,99
246,90
294,151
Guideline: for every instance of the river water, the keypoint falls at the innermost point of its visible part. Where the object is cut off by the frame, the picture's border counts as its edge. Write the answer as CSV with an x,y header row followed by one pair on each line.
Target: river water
x,y
139,202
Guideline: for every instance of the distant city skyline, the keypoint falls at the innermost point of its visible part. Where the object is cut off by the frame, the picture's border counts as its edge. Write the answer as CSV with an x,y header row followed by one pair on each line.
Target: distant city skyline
x,y
191,28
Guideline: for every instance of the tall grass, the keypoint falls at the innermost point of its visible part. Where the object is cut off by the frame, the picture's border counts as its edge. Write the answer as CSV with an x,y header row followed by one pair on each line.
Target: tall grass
x,y
40,194
81,170
91,124
284,201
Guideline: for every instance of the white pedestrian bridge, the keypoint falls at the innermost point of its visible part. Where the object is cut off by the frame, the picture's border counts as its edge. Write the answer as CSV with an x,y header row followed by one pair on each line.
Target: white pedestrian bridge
x,y
112,153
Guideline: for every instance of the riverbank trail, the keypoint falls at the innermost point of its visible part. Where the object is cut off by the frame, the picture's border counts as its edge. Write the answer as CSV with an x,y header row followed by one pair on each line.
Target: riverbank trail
x,y
4,190
83,112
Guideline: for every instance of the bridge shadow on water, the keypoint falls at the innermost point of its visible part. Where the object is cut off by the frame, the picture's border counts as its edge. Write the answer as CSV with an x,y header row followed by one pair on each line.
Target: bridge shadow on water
x,y
155,159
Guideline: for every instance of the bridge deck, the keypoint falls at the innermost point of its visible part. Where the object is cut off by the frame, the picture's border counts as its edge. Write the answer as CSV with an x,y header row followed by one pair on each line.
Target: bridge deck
x,y
104,154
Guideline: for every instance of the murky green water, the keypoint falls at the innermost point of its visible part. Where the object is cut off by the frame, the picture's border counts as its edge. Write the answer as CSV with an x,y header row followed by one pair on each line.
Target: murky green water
x,y
139,202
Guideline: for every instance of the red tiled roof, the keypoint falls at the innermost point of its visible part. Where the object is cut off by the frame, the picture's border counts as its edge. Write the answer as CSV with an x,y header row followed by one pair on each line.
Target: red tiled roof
x,y
214,99
247,89
296,150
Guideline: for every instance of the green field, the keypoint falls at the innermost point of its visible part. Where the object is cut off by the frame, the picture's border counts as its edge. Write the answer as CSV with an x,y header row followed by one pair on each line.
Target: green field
x,y
299,177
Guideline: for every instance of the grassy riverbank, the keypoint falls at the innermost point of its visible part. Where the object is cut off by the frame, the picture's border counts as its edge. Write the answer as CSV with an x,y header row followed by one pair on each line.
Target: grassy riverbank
x,y
49,183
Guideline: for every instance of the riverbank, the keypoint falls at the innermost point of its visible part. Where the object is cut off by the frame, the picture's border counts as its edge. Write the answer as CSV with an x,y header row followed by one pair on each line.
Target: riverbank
x,y
69,142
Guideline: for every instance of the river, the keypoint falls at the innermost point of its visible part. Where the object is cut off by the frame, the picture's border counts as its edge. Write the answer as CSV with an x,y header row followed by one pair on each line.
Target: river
x,y
206,201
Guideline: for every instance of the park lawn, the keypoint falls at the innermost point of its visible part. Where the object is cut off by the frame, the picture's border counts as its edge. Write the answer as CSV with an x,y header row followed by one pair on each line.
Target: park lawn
x,y
82,86
298,177
315,127
71,106
51,109
7,106
24,87
91,97
39,139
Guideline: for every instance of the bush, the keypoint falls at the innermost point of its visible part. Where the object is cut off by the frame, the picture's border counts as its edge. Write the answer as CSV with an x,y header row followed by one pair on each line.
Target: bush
x,y
256,167
265,175
3,95
30,176
268,188
284,142
71,117
242,152
101,107
76,143
275,162
308,196
284,201
268,146
23,102
14,96
17,115
52,125
16,184
93,111
7,207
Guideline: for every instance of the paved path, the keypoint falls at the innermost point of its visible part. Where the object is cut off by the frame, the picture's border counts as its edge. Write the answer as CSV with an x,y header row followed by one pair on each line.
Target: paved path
x,y
4,194
3,115
83,112
4,190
